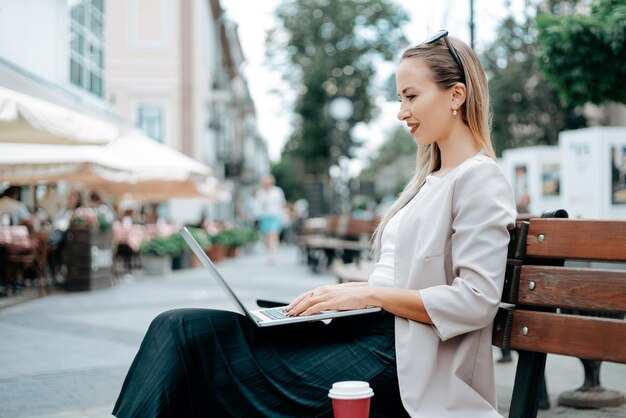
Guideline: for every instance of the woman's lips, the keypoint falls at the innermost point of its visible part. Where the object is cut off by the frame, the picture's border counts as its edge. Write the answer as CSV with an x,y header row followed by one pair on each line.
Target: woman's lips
x,y
413,127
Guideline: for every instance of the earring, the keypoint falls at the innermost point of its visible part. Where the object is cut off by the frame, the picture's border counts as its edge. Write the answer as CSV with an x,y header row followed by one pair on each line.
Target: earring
x,y
454,112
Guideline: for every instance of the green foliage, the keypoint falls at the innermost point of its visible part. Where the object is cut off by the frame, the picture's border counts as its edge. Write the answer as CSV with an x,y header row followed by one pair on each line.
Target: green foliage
x,y
172,245
583,56
288,172
103,224
400,143
328,49
234,237
526,109
399,152
201,236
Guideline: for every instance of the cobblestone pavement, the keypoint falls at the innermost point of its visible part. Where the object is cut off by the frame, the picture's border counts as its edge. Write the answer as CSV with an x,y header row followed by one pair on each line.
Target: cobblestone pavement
x,y
66,355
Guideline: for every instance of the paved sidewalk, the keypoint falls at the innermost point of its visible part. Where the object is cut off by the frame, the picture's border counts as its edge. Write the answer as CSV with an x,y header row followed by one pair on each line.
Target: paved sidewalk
x,y
65,355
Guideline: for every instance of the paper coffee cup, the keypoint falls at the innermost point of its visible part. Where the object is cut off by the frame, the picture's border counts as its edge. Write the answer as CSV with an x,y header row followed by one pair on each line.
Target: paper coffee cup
x,y
351,399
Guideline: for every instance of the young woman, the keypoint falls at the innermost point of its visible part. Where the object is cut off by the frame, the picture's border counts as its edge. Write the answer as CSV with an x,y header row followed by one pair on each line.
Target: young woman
x,y
442,253
270,206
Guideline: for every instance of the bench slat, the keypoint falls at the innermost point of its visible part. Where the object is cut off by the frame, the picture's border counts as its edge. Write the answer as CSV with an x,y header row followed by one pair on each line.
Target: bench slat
x,y
577,239
570,335
576,288
353,272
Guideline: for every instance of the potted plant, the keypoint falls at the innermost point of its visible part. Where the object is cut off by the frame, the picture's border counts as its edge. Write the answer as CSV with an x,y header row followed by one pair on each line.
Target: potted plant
x,y
202,238
156,254
237,238
219,246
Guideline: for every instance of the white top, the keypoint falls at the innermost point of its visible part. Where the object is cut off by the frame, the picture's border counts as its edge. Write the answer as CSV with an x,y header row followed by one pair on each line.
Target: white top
x,y
18,210
384,268
270,202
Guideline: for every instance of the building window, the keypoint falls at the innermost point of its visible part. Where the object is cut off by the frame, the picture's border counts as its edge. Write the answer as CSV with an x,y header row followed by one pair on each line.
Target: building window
x,y
150,118
87,45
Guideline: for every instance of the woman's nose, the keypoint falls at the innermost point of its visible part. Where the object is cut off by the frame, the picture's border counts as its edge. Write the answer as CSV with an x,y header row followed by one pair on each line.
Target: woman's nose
x,y
403,113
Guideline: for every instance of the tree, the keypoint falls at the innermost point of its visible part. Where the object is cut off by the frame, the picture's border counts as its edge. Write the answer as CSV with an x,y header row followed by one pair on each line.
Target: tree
x,y
287,173
583,56
526,109
401,145
328,49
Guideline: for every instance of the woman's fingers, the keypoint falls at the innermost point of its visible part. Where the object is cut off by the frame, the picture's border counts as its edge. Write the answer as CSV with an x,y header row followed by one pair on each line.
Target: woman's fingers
x,y
317,303
302,305
297,300
338,297
309,302
317,307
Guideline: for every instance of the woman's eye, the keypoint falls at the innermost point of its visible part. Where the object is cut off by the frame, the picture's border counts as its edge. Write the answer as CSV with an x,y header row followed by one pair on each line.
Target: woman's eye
x,y
410,98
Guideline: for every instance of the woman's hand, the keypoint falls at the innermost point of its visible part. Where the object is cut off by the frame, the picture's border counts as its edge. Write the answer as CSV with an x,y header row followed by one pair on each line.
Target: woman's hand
x,y
339,297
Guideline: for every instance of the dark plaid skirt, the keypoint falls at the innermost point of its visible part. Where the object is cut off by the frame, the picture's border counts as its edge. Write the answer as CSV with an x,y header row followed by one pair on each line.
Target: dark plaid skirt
x,y
208,363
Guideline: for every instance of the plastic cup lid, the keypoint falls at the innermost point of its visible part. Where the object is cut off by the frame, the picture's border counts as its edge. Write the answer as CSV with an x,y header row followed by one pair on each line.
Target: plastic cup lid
x,y
351,390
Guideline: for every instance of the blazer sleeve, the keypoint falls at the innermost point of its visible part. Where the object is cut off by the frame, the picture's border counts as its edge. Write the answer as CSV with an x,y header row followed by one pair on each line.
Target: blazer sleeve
x,y
483,211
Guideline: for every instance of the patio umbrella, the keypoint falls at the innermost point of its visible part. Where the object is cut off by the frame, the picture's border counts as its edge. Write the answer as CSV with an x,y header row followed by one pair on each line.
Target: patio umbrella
x,y
130,164
161,172
24,118
23,163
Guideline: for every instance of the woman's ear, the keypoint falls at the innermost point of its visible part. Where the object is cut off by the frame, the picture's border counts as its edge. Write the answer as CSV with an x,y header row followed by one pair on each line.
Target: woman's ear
x,y
459,94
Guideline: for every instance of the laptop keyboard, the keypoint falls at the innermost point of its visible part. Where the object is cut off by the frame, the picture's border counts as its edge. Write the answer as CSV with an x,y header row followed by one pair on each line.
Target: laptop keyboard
x,y
275,313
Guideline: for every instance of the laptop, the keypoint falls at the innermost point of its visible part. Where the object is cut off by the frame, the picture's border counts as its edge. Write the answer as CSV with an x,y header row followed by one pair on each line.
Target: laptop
x,y
263,317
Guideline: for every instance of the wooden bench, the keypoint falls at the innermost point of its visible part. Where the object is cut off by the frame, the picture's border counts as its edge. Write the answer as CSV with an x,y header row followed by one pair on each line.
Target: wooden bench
x,y
353,272
344,236
551,308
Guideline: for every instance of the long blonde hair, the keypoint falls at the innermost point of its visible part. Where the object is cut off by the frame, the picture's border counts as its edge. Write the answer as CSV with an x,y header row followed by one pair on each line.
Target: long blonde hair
x,y
475,112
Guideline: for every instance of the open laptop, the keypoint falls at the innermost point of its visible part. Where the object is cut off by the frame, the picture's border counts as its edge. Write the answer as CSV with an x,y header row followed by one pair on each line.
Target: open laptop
x,y
263,317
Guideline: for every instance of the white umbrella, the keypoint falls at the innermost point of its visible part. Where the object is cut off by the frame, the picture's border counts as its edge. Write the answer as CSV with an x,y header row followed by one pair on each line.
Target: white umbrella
x,y
132,163
152,160
162,172
38,163
24,118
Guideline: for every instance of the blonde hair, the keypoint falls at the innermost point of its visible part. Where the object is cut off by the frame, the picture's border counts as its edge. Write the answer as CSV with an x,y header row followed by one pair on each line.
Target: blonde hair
x,y
475,112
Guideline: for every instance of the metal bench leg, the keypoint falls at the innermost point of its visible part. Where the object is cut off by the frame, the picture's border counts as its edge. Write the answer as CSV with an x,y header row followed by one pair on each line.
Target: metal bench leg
x,y
529,378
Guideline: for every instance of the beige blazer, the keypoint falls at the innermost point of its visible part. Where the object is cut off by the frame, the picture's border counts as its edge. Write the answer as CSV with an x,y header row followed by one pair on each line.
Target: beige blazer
x,y
452,246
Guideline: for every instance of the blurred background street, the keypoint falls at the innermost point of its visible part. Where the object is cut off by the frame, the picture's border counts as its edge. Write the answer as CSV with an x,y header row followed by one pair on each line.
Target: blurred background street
x,y
122,121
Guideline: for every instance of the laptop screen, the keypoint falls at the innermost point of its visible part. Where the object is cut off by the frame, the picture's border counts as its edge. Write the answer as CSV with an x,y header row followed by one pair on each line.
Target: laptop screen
x,y
208,264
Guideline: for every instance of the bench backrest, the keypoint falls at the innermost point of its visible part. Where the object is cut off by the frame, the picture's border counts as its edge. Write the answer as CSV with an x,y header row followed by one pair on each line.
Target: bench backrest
x,y
548,307
344,226
357,227
537,284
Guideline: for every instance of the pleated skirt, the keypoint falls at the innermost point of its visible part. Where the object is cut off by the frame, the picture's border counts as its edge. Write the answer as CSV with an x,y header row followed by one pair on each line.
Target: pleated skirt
x,y
209,363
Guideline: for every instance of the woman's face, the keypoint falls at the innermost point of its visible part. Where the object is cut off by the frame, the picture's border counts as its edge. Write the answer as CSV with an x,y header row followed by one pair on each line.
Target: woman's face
x,y
72,200
424,106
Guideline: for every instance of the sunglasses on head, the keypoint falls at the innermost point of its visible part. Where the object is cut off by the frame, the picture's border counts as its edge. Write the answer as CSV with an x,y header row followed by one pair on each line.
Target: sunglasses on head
x,y
444,34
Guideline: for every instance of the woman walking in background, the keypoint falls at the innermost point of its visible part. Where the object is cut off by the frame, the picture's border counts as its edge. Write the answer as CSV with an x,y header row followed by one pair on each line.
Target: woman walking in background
x,y
270,206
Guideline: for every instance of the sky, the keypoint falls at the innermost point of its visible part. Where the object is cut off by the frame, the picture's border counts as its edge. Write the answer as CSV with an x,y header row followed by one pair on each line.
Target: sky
x,y
255,17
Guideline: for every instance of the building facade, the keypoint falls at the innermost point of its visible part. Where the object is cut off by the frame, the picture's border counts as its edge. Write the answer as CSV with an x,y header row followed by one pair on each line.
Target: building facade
x,y
173,68
53,50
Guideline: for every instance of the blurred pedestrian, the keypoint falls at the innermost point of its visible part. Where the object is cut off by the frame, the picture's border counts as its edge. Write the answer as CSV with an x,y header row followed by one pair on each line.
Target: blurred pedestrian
x,y
15,210
442,249
106,215
301,209
270,206
290,217
57,236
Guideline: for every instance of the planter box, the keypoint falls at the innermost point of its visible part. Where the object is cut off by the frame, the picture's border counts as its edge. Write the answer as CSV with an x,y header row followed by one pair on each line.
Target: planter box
x,y
182,261
156,265
217,252
232,251
89,258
